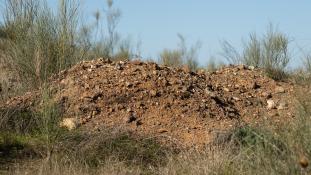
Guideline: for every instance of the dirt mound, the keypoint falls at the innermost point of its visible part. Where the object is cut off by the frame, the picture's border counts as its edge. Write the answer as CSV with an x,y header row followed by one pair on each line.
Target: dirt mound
x,y
174,104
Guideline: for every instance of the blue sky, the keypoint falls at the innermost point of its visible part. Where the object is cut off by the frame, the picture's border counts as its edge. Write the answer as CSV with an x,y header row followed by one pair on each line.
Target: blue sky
x,y
156,23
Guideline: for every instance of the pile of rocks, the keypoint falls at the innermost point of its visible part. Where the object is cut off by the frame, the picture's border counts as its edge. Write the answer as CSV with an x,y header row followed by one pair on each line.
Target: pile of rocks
x,y
174,104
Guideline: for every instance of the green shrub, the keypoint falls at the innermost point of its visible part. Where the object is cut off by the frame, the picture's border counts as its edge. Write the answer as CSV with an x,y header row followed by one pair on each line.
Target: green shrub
x,y
270,53
40,43
252,51
273,150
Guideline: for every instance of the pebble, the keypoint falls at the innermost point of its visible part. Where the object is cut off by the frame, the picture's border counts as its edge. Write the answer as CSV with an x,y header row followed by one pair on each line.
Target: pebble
x,y
304,162
153,93
226,89
69,123
236,98
271,104
251,67
279,89
241,66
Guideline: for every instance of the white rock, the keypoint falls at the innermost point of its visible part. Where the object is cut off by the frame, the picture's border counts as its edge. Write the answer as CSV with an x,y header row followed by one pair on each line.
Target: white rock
x,y
251,67
271,104
69,123
226,89
236,98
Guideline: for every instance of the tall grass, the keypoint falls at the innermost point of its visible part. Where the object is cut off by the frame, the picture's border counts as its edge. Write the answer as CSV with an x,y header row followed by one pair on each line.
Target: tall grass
x,y
269,52
307,65
110,44
38,42
183,55
171,58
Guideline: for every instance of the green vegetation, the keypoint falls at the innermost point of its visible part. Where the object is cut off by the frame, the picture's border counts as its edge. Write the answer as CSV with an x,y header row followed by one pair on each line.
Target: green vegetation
x,y
270,53
181,56
37,42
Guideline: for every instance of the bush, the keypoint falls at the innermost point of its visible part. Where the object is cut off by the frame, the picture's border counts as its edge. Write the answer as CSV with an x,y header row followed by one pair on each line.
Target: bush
x,y
252,51
181,56
40,43
20,121
171,58
270,53
95,149
27,133
110,45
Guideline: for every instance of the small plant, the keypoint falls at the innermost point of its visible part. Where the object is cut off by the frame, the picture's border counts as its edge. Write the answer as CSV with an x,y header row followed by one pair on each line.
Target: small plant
x,y
252,51
111,45
181,56
307,63
171,58
230,53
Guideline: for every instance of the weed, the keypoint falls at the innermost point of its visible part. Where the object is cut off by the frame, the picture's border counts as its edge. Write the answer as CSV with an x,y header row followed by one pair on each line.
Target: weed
x,y
181,56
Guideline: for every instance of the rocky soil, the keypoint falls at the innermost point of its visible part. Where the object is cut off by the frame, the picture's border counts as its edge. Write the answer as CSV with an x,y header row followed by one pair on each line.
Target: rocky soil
x,y
175,105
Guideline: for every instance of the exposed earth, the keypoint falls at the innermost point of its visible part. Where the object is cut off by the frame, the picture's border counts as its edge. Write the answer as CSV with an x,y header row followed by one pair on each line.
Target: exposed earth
x,y
175,105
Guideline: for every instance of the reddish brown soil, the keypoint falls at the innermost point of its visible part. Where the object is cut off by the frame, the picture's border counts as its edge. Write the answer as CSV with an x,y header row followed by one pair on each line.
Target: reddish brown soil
x,y
173,104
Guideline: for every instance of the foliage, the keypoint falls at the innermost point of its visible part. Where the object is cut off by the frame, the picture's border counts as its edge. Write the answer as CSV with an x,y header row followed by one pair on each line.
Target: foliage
x,y
270,52
38,42
182,55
